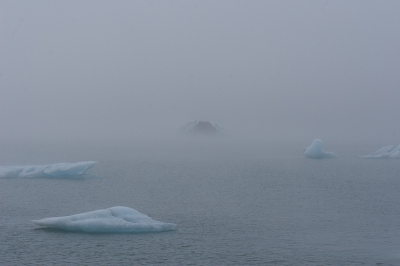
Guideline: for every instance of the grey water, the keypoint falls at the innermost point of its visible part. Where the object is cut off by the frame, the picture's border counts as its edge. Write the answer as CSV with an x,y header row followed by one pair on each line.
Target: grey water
x,y
233,203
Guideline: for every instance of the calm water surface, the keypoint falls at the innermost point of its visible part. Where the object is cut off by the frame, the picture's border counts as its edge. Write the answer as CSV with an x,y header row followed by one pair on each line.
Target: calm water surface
x,y
233,206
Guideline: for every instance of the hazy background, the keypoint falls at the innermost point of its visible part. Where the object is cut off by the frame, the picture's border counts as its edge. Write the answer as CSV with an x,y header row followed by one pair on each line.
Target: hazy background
x,y
267,70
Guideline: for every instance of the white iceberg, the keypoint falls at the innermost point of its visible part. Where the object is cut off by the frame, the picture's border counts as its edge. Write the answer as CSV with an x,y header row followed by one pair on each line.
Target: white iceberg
x,y
112,220
315,151
58,170
387,152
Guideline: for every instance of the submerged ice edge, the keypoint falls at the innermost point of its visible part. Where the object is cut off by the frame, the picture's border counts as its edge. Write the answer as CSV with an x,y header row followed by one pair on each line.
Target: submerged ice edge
x,y
58,170
117,219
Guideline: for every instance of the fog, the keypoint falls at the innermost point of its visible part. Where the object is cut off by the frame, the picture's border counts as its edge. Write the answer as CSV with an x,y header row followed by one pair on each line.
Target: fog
x,y
264,70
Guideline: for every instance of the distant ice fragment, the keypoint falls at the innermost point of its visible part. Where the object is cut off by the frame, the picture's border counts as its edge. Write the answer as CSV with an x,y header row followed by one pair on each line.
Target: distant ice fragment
x,y
315,151
387,152
112,220
58,170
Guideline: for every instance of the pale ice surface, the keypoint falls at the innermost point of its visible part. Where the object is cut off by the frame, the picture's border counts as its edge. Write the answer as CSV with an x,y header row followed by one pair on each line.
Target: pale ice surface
x,y
315,151
112,220
58,170
387,152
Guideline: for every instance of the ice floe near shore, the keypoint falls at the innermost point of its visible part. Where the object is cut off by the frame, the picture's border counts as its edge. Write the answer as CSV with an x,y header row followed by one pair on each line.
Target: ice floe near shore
x,y
315,151
112,220
58,170
387,152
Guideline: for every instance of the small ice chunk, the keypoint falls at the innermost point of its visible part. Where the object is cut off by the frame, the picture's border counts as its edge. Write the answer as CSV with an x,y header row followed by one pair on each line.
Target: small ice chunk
x,y
58,170
112,220
315,151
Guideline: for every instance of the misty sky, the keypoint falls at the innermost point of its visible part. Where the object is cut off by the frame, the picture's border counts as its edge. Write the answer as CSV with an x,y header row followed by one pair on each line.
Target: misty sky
x,y
262,69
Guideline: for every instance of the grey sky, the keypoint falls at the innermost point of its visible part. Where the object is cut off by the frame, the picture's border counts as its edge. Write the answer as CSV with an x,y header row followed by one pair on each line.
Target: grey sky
x,y
262,69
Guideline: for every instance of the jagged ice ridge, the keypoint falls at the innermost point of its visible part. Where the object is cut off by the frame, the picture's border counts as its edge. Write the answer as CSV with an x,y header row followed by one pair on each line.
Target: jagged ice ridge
x,y
387,152
58,170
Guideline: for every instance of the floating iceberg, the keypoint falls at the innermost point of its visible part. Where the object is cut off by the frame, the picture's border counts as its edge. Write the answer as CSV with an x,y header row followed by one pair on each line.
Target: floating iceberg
x,y
387,152
112,220
58,170
315,151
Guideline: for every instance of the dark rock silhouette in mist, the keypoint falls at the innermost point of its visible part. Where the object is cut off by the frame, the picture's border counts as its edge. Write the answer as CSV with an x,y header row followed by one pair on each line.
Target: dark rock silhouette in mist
x,y
204,128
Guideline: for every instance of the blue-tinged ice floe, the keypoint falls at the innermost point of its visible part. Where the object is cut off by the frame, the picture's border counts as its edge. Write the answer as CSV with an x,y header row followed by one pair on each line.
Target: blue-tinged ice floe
x,y
58,170
112,220
387,152
315,151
